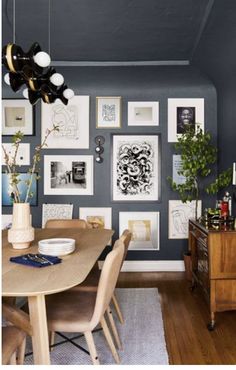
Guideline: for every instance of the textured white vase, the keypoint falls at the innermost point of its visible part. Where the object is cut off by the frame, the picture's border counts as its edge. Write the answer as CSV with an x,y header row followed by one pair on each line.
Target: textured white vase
x,y
21,233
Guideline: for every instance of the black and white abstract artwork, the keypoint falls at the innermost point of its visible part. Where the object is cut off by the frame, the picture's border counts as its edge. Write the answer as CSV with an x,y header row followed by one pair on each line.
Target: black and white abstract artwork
x,y
56,211
108,111
135,167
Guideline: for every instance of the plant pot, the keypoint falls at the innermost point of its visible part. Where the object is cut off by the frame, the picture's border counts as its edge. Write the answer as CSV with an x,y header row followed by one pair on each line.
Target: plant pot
x,y
188,266
21,233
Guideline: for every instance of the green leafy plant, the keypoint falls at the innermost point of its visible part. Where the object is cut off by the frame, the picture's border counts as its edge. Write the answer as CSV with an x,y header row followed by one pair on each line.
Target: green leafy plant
x,y
198,156
12,166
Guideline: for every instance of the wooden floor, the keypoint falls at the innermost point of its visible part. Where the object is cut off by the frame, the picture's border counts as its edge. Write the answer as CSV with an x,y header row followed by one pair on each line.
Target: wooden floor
x,y
185,316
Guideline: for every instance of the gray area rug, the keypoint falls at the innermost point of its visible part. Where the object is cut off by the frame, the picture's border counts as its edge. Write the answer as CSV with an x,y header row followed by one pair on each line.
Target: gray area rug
x,y
142,335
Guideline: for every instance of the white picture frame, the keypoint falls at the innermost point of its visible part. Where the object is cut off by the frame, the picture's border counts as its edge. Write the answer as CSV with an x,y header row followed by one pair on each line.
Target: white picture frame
x,y
97,217
108,112
144,227
6,222
68,175
54,211
183,113
179,215
17,115
144,113
73,122
177,166
139,182
23,154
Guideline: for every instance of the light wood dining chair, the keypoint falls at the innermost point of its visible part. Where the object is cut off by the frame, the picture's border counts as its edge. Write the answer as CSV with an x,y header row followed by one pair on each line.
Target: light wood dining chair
x,y
66,224
13,345
83,311
91,282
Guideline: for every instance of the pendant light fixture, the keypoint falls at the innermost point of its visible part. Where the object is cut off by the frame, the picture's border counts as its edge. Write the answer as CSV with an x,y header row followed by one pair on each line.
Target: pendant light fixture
x,y
32,69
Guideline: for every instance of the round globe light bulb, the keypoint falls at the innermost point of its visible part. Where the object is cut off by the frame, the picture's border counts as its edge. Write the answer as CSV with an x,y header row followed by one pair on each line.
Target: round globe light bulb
x,y
25,93
7,78
68,93
42,59
57,79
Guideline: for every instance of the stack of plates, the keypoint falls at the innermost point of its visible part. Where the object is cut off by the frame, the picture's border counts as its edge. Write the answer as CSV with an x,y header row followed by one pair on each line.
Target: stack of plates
x,y
56,247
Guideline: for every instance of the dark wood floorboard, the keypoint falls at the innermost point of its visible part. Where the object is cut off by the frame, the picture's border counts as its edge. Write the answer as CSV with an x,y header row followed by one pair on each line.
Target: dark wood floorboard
x,y
185,316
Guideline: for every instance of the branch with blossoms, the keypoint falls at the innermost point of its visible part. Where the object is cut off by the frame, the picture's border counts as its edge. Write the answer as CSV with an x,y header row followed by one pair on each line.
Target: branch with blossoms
x,y
11,164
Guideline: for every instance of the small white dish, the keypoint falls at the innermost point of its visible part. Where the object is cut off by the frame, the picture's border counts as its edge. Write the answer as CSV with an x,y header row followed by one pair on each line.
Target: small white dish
x,y
56,246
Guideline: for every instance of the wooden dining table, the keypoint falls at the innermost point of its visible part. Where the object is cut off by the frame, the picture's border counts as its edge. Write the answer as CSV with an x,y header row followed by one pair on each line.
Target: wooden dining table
x,y
35,283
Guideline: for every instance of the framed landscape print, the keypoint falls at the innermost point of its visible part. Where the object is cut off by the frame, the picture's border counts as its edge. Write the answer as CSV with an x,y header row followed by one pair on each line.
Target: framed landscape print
x,y
135,167
72,120
144,227
97,217
17,115
23,154
183,113
56,211
179,215
108,111
68,174
143,113
7,195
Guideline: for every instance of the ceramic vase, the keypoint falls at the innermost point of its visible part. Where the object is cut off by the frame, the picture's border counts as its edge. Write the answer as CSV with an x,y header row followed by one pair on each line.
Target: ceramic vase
x,y
21,233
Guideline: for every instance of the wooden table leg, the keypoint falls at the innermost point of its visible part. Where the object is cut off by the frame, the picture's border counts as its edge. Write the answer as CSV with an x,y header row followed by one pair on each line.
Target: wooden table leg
x,y
38,320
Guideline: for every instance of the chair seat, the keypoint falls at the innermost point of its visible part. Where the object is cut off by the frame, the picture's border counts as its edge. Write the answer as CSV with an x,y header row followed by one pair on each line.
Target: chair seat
x,y
69,312
12,338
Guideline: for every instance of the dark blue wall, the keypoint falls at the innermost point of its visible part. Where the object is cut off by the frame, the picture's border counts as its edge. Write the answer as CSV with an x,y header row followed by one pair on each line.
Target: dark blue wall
x,y
133,84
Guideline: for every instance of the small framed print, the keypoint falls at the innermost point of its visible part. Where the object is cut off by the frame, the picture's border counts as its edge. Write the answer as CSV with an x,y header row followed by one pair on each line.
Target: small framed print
x,y
72,120
144,227
135,168
179,215
23,154
143,113
96,217
56,211
7,194
108,112
183,113
6,222
17,115
68,175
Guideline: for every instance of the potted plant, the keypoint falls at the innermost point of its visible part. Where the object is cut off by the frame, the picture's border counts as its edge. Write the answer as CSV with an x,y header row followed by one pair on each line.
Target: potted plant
x,y
198,155
22,233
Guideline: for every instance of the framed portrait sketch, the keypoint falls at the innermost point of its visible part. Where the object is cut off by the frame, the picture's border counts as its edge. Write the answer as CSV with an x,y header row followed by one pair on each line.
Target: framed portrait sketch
x,y
143,113
144,227
97,217
183,113
7,195
179,215
56,211
68,175
135,167
73,122
23,154
17,115
108,112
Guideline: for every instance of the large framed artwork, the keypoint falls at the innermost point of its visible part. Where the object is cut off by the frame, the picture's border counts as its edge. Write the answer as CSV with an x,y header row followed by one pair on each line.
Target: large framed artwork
x,y
183,113
143,113
144,227
68,174
136,167
56,211
23,154
72,120
17,115
108,111
97,217
179,215
7,194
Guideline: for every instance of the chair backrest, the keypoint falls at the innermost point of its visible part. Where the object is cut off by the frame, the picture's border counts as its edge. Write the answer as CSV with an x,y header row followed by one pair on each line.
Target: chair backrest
x,y
108,280
66,224
12,337
125,238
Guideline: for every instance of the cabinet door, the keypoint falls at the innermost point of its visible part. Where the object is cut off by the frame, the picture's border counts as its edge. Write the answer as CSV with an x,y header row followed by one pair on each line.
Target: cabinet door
x,y
222,251
202,266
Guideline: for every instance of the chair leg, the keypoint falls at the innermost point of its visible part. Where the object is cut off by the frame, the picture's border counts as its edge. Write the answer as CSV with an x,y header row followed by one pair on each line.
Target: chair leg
x,y
109,340
13,359
91,347
113,328
117,308
21,353
51,339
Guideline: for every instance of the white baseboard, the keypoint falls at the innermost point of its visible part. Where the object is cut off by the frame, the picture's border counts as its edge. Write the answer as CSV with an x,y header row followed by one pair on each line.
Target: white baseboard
x,y
148,266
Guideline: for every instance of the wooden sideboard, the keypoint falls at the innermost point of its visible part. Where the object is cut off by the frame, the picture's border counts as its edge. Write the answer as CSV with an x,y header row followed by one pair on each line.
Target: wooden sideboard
x,y
213,254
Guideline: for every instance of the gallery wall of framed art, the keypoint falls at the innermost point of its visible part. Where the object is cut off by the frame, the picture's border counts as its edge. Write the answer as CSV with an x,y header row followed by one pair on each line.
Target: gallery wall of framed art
x,y
134,102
